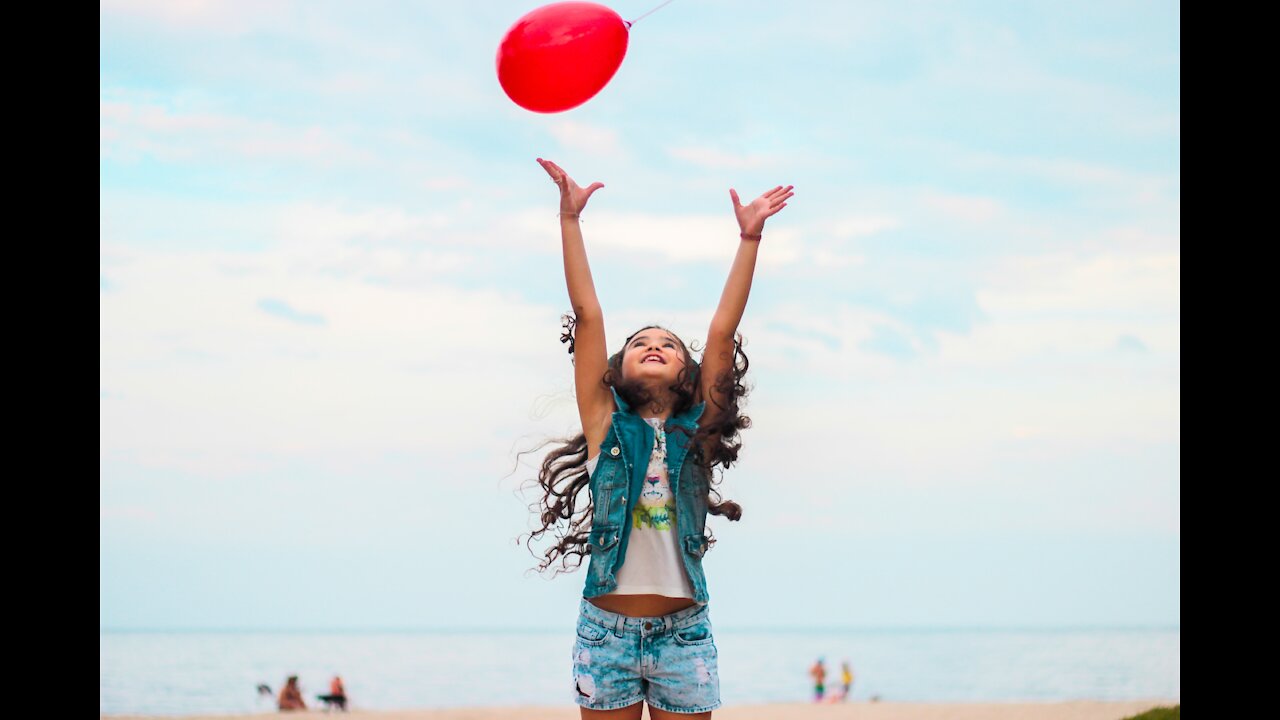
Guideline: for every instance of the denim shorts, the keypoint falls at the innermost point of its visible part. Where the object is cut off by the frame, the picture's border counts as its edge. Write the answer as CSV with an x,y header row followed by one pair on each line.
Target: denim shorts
x,y
668,661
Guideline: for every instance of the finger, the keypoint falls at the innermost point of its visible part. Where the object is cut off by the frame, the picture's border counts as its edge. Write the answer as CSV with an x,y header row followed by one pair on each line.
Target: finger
x,y
733,195
594,187
557,175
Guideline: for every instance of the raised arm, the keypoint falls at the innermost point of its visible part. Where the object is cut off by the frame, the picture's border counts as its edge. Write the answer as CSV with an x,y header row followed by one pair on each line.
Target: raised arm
x,y
591,359
718,357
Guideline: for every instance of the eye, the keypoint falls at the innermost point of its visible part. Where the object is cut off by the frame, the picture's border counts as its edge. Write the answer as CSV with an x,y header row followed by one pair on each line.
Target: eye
x,y
669,344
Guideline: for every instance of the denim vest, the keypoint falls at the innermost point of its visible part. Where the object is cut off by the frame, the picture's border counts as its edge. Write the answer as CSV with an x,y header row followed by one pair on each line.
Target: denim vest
x,y
615,489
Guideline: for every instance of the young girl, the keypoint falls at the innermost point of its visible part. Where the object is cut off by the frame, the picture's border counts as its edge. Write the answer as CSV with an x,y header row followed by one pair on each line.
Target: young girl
x,y
654,424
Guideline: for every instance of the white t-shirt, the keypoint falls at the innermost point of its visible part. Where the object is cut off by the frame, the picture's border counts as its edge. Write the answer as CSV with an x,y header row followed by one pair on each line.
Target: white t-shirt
x,y
653,565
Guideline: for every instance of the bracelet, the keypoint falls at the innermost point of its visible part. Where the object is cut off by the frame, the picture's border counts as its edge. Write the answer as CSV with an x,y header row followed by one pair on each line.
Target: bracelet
x,y
750,236
568,215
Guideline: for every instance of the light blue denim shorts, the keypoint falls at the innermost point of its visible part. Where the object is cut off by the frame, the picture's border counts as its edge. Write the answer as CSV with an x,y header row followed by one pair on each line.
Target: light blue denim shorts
x,y
668,661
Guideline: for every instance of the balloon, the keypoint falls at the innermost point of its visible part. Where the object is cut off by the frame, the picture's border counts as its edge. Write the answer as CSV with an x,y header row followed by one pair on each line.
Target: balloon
x,y
560,55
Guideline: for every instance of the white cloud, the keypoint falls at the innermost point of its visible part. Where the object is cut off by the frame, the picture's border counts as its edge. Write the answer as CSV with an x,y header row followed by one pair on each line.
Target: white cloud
x,y
1127,187
712,159
860,226
675,238
447,182
392,370
1115,286
383,244
587,139
207,15
1040,367
202,379
687,238
966,208
128,130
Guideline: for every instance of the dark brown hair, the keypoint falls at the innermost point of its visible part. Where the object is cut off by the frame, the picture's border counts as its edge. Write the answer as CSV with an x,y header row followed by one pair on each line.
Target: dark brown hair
x,y
563,475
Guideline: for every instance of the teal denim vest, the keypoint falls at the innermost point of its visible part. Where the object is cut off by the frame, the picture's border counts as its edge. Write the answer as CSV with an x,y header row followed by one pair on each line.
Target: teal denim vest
x,y
615,489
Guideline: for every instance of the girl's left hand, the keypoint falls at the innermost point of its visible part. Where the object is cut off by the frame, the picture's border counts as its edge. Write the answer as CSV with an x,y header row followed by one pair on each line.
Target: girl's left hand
x,y
751,217
573,197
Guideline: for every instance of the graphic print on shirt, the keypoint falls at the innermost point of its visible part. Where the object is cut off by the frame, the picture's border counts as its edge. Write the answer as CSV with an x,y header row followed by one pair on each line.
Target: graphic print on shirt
x,y
657,506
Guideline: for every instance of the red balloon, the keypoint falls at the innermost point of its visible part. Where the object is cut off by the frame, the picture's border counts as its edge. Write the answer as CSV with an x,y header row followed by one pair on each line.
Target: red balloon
x,y
560,55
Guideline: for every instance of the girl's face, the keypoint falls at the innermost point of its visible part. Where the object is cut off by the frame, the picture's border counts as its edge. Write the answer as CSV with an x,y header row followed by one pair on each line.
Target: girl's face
x,y
653,354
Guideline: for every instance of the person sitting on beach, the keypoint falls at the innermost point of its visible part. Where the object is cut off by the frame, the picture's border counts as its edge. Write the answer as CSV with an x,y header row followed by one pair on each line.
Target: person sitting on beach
x,y
291,695
337,696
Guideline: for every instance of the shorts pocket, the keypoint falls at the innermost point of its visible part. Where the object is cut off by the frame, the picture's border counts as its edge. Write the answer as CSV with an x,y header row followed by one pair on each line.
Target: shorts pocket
x,y
591,634
699,634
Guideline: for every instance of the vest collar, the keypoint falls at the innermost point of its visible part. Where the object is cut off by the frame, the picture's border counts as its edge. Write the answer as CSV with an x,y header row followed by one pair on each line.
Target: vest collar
x,y
688,419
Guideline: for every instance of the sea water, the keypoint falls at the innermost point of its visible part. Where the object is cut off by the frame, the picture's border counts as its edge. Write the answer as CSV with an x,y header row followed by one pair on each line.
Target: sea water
x,y
217,672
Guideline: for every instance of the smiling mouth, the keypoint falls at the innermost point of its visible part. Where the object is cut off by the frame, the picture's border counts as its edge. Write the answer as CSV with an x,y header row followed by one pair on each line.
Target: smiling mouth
x,y
652,358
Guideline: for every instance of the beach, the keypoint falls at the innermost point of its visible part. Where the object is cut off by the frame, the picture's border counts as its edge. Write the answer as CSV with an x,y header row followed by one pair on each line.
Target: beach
x,y
1071,710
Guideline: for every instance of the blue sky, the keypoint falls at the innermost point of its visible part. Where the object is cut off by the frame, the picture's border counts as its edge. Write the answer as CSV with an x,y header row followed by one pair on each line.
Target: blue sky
x,y
330,293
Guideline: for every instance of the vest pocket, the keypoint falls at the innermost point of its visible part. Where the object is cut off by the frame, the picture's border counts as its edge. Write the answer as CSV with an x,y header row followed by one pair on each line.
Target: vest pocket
x,y
692,481
695,545
609,471
604,537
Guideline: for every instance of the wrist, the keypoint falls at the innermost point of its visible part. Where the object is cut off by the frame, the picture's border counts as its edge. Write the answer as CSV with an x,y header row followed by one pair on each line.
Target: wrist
x,y
754,237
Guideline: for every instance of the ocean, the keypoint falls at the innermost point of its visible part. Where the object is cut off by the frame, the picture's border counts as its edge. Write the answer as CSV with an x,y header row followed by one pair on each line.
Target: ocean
x,y
177,673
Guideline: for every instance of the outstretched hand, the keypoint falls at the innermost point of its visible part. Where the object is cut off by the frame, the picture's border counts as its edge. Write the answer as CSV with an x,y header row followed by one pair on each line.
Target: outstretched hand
x,y
572,197
751,217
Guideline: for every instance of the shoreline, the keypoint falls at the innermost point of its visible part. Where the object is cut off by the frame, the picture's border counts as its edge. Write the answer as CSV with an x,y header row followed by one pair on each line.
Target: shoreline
x,y
862,710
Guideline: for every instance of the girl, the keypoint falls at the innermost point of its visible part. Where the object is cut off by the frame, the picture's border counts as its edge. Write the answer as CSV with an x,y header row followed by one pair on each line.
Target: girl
x,y
654,424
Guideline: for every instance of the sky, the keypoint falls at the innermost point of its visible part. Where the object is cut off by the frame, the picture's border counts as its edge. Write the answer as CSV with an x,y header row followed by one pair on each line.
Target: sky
x,y
330,294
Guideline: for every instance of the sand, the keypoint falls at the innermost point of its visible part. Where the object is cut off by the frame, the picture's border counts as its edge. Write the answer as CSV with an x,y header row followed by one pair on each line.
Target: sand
x,y
1074,710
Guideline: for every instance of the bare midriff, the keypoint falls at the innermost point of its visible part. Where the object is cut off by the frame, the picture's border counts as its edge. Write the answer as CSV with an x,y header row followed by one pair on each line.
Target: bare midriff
x,y
641,605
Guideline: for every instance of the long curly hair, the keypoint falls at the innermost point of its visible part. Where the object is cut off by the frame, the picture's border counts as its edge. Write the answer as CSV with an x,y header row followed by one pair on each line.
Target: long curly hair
x,y
562,510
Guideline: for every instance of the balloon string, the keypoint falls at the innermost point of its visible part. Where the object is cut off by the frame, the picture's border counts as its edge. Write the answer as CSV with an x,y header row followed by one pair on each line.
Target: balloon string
x,y
656,9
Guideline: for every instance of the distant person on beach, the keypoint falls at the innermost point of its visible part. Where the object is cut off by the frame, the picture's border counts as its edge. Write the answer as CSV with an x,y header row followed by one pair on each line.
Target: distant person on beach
x,y
656,422
819,674
291,696
337,696
846,679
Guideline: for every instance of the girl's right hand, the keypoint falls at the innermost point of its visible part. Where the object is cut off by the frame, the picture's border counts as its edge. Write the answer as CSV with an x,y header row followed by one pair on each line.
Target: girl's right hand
x,y
572,197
